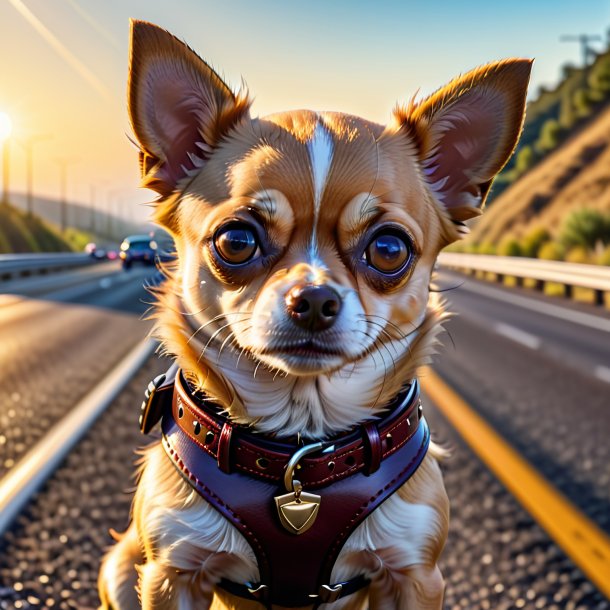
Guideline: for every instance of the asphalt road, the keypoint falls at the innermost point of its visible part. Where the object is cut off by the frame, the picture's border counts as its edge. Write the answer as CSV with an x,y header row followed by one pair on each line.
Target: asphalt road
x,y
54,349
508,361
533,377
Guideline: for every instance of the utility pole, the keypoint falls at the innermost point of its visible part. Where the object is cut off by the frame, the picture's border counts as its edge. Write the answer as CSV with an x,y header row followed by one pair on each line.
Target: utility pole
x,y
63,184
28,146
584,40
6,168
92,205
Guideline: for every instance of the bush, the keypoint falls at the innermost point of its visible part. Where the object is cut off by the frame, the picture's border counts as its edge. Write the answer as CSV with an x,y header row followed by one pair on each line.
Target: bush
x,y
509,246
599,75
585,228
567,115
551,251
487,248
78,238
524,159
603,257
578,254
582,102
533,241
550,135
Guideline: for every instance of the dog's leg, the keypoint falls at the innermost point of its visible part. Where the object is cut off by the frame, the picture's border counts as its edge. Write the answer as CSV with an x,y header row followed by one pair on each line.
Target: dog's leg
x,y
164,588
184,579
118,577
418,587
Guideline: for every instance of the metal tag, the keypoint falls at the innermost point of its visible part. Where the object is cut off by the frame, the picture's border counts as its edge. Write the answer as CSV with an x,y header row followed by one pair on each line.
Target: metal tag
x,y
297,510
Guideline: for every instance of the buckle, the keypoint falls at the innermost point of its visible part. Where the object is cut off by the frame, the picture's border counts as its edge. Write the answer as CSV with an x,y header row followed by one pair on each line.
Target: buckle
x,y
327,594
259,592
151,409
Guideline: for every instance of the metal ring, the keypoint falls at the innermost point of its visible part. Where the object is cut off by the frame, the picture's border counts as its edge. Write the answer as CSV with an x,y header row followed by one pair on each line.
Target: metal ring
x,y
298,456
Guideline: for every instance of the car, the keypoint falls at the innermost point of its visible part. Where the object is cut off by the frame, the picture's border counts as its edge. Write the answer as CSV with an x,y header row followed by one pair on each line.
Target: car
x,y
95,252
138,248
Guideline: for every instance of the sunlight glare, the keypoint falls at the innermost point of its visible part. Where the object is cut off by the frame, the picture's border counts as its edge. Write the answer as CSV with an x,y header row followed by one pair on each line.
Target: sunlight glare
x,y
5,126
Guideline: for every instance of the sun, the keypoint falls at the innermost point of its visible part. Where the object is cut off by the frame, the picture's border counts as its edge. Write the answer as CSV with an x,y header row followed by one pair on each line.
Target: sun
x,y
6,126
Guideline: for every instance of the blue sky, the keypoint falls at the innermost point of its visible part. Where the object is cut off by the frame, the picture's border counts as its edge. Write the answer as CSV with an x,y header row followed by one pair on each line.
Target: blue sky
x,y
356,56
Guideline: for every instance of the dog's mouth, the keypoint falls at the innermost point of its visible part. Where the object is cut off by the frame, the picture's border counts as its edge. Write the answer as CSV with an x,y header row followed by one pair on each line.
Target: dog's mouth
x,y
305,348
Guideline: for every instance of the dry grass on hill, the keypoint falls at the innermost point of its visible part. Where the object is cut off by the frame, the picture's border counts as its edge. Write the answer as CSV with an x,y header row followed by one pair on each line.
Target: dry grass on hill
x,y
576,175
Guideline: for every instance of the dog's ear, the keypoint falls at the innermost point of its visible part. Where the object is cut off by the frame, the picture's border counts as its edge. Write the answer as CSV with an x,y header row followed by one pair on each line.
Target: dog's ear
x,y
467,131
179,107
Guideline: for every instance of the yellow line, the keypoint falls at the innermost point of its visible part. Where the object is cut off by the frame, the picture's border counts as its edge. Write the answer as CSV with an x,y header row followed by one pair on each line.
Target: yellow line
x,y
576,534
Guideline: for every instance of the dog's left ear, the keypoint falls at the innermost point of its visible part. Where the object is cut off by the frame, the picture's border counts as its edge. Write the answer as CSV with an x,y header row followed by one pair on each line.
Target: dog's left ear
x,y
467,131
179,107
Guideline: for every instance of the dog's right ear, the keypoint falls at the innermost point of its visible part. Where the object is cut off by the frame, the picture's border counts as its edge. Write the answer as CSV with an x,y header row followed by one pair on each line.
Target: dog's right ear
x,y
179,107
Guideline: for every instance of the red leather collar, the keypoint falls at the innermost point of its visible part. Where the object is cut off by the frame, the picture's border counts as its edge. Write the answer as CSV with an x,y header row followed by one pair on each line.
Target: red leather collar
x,y
266,458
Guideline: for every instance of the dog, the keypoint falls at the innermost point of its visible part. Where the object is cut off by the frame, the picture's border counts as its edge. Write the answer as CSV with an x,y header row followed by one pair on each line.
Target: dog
x,y
300,304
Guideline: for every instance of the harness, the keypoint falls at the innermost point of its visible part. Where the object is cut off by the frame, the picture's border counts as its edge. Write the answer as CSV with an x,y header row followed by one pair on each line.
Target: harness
x,y
295,504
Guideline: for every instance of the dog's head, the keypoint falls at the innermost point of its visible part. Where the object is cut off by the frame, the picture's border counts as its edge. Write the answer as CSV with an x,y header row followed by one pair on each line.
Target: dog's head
x,y
306,240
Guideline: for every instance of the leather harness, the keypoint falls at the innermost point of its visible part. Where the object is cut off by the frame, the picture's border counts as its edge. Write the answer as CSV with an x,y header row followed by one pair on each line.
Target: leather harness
x,y
296,538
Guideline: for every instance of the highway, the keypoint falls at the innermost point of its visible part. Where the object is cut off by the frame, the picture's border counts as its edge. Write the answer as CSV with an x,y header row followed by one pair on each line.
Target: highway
x,y
533,368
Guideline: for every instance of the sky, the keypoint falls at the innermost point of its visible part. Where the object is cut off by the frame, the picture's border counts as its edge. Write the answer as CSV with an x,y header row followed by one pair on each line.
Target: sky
x,y
63,66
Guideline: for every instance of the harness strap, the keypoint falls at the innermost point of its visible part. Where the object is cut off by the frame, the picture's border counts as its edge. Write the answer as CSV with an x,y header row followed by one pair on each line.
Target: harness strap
x,y
223,456
327,594
294,570
372,442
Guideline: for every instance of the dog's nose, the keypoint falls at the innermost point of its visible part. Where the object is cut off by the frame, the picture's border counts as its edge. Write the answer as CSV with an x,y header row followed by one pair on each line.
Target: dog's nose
x,y
313,307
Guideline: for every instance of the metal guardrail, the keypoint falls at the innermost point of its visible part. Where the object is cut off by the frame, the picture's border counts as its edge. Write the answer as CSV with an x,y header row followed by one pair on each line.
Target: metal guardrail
x,y
19,265
569,275
30,473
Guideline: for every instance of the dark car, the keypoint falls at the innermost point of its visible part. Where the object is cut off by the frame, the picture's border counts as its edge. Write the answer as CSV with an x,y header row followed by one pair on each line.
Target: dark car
x,y
138,248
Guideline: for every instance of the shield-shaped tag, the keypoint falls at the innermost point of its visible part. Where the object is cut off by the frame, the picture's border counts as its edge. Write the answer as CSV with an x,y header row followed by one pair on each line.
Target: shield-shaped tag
x,y
297,513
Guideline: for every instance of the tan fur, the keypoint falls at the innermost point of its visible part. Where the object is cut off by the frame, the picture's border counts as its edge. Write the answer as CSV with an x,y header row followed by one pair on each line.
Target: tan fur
x,y
320,182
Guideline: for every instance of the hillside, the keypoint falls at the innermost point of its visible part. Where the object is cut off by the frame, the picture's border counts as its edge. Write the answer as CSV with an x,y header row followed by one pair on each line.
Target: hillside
x,y
575,175
21,232
556,115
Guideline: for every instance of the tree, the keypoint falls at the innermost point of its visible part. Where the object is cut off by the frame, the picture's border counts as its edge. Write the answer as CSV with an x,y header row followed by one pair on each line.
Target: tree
x,y
585,228
533,240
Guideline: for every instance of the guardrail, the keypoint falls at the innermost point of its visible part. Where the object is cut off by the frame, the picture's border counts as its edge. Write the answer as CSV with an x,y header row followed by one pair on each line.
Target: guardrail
x,y
569,275
19,265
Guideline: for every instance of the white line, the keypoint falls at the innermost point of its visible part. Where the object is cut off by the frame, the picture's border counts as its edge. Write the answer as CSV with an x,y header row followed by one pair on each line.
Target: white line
x,y
517,335
578,317
603,373
31,472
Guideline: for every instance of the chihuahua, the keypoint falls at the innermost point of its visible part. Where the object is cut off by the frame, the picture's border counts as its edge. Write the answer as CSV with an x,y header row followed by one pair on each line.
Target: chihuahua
x,y
299,302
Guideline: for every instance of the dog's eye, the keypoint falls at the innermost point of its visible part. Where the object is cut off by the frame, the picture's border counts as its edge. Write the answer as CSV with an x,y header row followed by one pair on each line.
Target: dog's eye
x,y
236,243
388,252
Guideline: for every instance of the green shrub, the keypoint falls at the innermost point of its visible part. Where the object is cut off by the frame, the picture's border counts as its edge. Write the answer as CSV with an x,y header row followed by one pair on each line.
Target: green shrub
x,y
551,251
533,240
524,159
550,135
509,246
487,248
585,228
567,114
78,238
582,102
599,75
471,248
578,254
